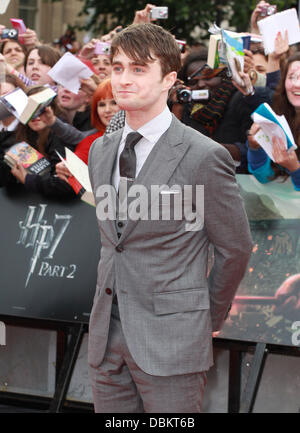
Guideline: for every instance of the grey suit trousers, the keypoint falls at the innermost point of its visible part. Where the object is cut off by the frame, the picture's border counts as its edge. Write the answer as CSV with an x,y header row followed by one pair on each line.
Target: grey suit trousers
x,y
120,386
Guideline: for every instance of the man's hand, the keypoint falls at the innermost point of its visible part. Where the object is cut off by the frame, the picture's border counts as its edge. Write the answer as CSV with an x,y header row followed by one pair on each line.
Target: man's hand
x,y
19,172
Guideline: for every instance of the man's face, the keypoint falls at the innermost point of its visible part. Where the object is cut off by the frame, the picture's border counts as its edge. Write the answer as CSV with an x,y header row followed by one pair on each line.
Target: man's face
x,y
138,85
71,101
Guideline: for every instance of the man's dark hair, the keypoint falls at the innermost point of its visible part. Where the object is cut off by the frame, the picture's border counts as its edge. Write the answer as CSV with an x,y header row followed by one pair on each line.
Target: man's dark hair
x,y
141,42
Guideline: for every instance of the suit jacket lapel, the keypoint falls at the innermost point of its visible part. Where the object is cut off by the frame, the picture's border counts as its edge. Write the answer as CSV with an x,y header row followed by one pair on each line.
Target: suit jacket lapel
x,y
105,167
110,149
160,164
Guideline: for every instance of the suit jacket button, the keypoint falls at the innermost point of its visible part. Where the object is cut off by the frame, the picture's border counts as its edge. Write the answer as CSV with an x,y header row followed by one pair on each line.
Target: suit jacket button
x,y
120,224
119,248
108,291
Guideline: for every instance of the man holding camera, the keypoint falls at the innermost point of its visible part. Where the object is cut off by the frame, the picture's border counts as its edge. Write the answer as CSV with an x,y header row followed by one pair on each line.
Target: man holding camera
x,y
206,100
155,308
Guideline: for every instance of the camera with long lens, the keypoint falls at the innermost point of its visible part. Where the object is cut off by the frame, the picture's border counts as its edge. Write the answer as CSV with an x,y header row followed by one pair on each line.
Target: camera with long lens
x,y
185,95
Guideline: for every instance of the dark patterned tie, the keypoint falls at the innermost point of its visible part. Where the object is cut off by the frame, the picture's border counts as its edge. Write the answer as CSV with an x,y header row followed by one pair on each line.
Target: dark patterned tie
x,y
127,160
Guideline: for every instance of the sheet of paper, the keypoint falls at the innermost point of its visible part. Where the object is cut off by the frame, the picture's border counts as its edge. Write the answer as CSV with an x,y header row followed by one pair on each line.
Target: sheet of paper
x,y
78,168
268,130
266,112
18,99
3,6
265,142
280,22
67,72
287,129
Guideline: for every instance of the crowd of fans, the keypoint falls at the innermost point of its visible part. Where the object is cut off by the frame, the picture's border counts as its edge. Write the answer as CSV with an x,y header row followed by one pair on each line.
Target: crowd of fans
x,y
76,120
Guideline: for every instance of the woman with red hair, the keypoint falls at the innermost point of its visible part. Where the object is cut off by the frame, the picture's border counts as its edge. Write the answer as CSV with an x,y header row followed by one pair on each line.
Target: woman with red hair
x,y
103,108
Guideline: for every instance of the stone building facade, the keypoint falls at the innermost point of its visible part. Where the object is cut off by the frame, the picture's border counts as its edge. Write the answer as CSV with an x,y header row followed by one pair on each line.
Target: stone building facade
x,y
48,18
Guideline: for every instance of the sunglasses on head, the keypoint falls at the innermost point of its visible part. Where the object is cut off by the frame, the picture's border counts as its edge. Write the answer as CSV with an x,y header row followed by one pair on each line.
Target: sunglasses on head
x,y
204,72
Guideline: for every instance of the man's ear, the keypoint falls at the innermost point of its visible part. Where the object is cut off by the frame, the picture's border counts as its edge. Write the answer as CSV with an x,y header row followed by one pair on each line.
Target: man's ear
x,y
169,80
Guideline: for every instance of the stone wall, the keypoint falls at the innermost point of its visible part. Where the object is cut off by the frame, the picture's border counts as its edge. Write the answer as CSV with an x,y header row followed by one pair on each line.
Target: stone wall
x,y
52,18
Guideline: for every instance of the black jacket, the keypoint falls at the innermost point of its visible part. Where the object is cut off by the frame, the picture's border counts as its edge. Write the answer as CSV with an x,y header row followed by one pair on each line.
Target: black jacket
x,y
48,185
7,139
234,124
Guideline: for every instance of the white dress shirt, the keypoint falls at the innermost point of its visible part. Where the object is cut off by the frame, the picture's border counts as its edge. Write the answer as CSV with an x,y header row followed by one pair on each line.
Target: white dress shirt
x,y
151,132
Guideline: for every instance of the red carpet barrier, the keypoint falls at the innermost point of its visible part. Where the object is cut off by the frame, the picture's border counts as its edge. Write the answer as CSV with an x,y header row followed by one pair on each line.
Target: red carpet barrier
x,y
49,253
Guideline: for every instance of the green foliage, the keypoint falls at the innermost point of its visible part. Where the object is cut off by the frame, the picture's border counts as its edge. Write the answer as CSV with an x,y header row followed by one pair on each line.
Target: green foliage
x,y
184,16
242,11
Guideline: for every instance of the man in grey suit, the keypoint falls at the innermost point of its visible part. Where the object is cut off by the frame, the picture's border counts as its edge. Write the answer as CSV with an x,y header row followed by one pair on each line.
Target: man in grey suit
x,y
155,307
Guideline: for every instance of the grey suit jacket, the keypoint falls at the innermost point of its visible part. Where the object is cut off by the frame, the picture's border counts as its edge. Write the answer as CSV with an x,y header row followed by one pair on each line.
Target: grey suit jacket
x,y
168,304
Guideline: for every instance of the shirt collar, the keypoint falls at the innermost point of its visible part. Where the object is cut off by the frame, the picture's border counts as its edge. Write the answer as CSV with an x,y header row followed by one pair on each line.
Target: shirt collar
x,y
153,129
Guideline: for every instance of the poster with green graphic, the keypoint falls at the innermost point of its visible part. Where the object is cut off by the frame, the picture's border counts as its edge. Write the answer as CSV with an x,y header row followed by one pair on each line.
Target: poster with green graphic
x,y
267,305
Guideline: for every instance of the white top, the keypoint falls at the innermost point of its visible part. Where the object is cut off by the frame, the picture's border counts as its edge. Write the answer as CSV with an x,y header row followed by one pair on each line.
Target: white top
x,y
151,132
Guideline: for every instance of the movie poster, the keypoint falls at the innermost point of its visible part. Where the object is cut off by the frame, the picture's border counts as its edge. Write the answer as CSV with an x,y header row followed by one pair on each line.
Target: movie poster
x,y
267,305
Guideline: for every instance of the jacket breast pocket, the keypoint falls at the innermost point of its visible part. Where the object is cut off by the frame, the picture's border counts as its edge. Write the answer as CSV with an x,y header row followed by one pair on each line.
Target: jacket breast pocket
x,y
181,301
